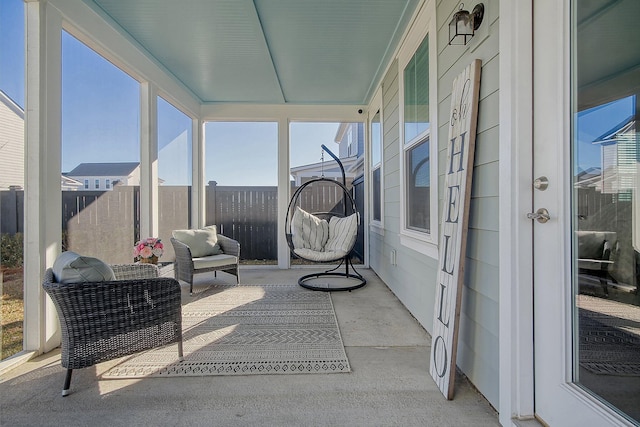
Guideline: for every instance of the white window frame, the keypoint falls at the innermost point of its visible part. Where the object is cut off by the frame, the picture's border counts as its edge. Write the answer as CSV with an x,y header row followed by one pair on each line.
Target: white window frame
x,y
376,226
423,26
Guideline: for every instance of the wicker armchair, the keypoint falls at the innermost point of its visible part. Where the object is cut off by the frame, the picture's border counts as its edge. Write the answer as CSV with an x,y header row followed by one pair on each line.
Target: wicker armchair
x,y
106,320
186,266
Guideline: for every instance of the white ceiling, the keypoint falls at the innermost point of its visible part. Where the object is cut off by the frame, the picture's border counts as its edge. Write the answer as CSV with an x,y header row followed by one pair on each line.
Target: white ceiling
x,y
268,51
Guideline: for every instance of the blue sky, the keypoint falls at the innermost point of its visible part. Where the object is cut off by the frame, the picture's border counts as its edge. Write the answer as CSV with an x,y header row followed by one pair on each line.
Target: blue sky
x,y
101,121
12,49
594,122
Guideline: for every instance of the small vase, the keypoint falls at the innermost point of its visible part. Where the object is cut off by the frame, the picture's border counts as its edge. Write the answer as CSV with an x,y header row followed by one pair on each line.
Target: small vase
x,y
152,260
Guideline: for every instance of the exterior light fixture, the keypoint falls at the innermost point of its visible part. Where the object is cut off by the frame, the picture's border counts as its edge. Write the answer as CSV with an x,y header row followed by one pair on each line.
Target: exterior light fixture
x,y
463,25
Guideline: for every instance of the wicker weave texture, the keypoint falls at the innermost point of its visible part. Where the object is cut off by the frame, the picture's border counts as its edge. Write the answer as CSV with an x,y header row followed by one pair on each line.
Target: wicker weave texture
x,y
184,269
135,271
105,320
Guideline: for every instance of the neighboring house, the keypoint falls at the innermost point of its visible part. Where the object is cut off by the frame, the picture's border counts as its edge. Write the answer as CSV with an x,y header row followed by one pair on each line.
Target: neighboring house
x,y
619,158
70,184
11,143
350,140
350,137
328,168
103,176
12,148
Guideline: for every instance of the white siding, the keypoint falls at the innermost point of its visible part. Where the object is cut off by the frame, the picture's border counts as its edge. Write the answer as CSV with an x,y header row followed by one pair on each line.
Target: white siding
x,y
11,144
414,277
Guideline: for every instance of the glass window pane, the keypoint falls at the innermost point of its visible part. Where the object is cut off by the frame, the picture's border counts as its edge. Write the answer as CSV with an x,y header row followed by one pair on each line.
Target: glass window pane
x,y
605,150
309,161
376,140
376,196
376,157
416,93
241,170
11,176
418,186
100,139
174,174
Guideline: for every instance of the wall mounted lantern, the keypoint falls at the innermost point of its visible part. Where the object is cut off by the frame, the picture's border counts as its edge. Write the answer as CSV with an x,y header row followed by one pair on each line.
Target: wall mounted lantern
x,y
463,25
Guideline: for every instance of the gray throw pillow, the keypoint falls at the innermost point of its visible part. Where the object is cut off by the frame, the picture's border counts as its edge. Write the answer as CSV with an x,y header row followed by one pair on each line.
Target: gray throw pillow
x,y
71,267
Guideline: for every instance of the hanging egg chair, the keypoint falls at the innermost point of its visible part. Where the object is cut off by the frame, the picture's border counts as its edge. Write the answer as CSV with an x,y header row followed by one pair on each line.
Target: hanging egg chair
x,y
326,236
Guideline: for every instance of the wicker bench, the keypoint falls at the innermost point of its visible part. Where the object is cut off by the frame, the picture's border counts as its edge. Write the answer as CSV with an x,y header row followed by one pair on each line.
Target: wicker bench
x,y
102,321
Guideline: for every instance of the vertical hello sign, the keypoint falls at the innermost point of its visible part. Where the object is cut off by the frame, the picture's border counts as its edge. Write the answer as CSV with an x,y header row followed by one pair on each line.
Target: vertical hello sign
x,y
454,224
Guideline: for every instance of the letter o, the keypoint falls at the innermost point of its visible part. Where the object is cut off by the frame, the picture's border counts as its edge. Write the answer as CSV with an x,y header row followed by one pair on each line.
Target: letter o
x,y
439,371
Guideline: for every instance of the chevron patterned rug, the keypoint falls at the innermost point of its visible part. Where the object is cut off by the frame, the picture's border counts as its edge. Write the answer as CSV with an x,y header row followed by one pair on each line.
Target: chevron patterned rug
x,y
247,330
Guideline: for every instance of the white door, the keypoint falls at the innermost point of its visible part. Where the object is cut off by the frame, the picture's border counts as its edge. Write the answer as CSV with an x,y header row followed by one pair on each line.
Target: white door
x,y
586,305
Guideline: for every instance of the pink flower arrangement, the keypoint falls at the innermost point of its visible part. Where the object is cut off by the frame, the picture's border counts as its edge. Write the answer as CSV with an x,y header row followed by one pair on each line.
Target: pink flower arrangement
x,y
148,248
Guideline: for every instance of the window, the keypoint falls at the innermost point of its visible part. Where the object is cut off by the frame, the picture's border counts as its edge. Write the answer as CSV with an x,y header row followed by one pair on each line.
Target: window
x,y
376,168
241,171
107,183
175,162
100,137
418,185
12,177
308,160
418,142
352,149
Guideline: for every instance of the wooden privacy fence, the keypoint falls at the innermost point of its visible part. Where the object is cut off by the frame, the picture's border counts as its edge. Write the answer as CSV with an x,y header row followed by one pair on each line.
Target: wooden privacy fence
x,y
248,215
103,224
106,224
12,211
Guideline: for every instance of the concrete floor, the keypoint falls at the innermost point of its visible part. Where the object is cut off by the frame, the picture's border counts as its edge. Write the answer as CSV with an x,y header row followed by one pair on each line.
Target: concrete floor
x,y
389,384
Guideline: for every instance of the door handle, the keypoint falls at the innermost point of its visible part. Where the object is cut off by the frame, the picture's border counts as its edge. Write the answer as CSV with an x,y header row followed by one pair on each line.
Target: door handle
x,y
541,215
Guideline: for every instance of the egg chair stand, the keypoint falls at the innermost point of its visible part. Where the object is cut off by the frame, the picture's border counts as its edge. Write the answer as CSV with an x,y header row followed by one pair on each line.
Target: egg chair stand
x,y
339,245
355,279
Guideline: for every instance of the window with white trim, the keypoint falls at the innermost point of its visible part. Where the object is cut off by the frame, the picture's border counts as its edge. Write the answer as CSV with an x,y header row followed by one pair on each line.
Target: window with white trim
x,y
376,168
419,151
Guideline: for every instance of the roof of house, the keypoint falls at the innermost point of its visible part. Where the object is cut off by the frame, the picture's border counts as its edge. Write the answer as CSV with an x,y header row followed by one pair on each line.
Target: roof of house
x,y
11,104
610,137
330,166
104,169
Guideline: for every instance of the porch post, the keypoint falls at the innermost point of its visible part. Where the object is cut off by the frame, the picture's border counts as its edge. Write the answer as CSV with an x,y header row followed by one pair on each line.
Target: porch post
x,y
43,199
148,161
284,187
198,185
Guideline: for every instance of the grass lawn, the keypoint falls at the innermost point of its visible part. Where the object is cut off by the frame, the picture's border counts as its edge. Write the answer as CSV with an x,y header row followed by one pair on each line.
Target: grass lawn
x,y
12,311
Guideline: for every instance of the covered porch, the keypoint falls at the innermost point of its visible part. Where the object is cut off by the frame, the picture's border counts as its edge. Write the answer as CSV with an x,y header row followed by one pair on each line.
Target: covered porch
x,y
389,384
347,69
